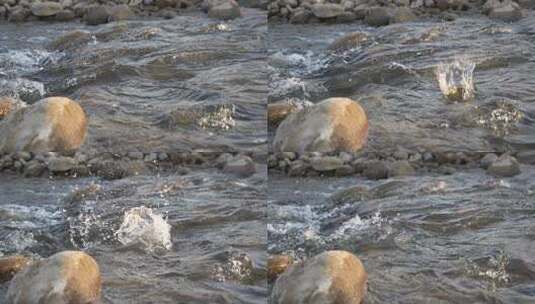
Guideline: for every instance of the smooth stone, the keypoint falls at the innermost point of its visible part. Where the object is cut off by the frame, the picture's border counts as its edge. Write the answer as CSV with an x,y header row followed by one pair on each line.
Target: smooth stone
x,y
61,164
45,9
34,168
400,168
120,12
334,124
376,170
54,124
378,16
240,165
326,163
65,15
64,278
487,160
9,266
508,13
327,10
135,155
403,14
504,166
225,10
333,277
97,14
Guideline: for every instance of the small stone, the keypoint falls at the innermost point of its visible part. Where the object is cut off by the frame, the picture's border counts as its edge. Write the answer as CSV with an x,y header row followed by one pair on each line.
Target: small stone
x,y
241,165
298,168
403,14
378,16
400,168
226,10
504,166
26,156
65,15
61,164
45,9
163,156
376,170
135,155
120,12
345,170
401,154
151,157
326,163
34,168
327,10
97,14
487,160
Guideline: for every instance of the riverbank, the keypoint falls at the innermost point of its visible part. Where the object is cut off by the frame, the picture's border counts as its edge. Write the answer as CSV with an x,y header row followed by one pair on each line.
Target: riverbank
x,y
380,12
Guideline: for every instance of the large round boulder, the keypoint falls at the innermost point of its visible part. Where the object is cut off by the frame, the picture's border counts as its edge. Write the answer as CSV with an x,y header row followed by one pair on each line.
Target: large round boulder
x,y
64,278
55,124
335,124
333,277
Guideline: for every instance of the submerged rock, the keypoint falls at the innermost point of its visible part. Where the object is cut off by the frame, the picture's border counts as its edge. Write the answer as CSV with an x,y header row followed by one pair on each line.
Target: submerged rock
x,y
348,41
239,165
9,266
335,124
504,166
55,124
64,278
333,277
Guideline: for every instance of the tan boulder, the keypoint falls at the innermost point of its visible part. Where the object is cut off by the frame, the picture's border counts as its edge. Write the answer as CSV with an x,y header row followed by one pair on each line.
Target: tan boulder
x,y
333,277
335,124
9,266
67,277
277,264
55,124
7,104
277,112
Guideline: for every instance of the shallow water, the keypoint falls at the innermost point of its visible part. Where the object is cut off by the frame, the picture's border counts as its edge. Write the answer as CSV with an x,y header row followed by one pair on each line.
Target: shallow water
x,y
181,84
393,75
215,252
464,238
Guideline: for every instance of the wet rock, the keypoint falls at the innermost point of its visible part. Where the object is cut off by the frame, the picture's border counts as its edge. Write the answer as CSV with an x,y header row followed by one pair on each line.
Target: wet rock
x,y
277,112
505,10
488,160
53,124
348,41
19,14
66,277
400,168
300,16
9,266
326,163
345,170
335,124
327,10
504,166
46,8
135,155
378,16
376,170
34,168
224,10
97,14
298,168
403,14
70,40
61,164
527,157
277,264
108,169
333,277
7,104
120,12
240,165
165,3
65,15
151,157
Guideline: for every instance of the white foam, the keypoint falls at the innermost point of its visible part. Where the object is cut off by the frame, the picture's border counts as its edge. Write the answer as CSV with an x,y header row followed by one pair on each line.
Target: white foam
x,y
142,226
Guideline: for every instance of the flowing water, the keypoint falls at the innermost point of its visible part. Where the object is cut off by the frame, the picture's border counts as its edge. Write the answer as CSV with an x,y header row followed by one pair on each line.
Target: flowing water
x,y
197,236
396,74
462,238
181,84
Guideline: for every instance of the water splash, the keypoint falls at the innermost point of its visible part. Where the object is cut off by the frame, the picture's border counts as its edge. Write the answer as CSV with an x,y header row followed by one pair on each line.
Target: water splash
x,y
221,118
142,226
238,267
456,80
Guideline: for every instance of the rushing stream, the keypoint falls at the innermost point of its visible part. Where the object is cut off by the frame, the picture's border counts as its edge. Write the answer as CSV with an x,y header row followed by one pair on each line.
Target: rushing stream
x,y
186,83
198,236
394,75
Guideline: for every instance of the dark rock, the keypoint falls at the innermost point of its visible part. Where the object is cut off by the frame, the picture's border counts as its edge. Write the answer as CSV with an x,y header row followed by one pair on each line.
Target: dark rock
x,y
120,12
34,168
65,15
97,15
487,160
376,170
225,10
378,16
504,166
